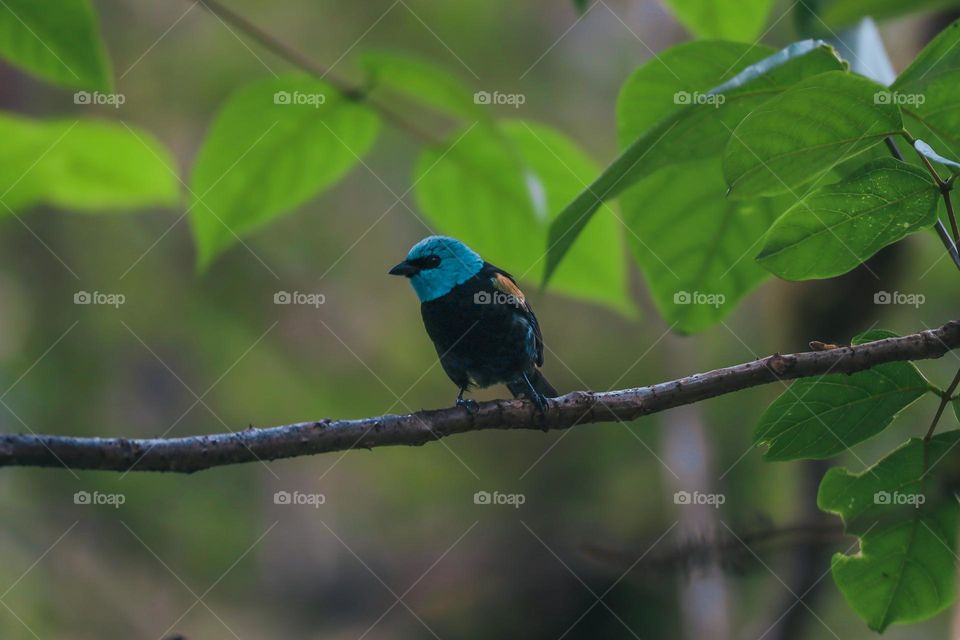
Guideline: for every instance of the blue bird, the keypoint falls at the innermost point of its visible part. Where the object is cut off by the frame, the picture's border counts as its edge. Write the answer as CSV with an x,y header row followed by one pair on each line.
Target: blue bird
x,y
479,320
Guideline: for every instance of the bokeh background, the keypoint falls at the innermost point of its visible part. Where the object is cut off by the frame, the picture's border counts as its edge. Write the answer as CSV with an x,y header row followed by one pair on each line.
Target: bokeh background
x,y
398,549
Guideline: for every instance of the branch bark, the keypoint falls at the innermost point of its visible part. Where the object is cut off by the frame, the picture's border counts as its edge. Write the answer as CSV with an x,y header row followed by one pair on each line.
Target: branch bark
x,y
195,453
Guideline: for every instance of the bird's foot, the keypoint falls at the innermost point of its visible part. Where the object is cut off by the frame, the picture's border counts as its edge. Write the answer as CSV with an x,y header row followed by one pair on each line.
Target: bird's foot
x,y
470,405
541,403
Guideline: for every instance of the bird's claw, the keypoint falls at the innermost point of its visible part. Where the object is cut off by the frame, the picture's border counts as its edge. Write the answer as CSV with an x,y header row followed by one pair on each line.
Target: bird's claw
x,y
541,403
470,405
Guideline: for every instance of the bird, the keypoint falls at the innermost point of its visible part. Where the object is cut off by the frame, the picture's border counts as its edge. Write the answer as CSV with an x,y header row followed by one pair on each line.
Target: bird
x,y
480,322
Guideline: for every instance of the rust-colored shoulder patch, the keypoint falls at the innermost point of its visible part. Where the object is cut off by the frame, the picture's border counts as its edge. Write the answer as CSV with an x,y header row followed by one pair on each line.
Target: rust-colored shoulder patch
x,y
509,287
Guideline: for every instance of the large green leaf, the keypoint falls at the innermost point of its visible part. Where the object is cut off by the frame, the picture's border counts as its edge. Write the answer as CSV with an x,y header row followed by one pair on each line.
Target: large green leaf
x,y
694,246
839,226
422,82
498,193
845,12
727,19
59,42
821,417
668,113
904,570
803,133
929,91
82,165
274,145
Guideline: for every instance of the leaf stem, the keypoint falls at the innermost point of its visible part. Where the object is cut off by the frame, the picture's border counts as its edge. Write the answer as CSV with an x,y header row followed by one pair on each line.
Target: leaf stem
x,y
945,187
944,401
301,61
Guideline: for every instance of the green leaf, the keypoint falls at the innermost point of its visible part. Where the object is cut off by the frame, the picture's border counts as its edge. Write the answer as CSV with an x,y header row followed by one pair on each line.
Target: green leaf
x,y
956,408
422,82
821,417
668,114
58,43
904,570
725,19
83,165
840,13
693,245
839,226
498,193
804,132
274,145
928,91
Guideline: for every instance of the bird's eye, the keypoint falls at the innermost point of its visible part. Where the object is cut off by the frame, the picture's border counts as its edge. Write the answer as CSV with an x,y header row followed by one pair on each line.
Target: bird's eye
x,y
431,262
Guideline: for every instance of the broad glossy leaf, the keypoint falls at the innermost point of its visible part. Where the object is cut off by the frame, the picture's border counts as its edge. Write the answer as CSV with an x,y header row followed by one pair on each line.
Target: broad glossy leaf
x,y
956,408
668,114
904,569
60,43
821,417
694,247
528,173
929,89
839,226
422,82
274,145
85,165
725,19
845,12
803,133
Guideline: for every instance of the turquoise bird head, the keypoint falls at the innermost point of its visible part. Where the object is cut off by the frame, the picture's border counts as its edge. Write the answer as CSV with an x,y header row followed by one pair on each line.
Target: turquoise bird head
x,y
437,264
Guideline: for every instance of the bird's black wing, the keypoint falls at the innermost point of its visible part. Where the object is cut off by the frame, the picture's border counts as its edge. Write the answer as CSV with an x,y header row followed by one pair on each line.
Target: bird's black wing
x,y
504,282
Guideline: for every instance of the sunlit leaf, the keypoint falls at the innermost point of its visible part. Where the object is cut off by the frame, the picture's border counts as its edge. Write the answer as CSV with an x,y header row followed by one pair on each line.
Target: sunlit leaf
x,y
274,145
904,569
421,81
83,165
695,247
839,226
928,92
804,132
59,42
669,114
498,193
726,19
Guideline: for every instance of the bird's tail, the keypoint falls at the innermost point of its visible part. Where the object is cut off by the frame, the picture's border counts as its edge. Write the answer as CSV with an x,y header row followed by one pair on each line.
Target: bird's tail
x,y
519,387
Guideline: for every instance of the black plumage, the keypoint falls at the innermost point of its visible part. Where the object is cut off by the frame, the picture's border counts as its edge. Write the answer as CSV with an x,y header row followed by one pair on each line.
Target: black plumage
x,y
481,324
485,333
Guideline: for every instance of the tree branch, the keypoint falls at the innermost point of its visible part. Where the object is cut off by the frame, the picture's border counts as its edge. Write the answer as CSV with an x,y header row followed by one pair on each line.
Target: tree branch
x,y
195,453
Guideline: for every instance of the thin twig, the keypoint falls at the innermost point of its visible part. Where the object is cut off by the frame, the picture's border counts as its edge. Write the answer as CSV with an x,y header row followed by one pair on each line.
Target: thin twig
x,y
297,59
949,243
944,401
194,453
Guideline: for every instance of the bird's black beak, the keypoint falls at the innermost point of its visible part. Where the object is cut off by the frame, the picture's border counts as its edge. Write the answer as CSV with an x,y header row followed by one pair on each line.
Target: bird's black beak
x,y
404,269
